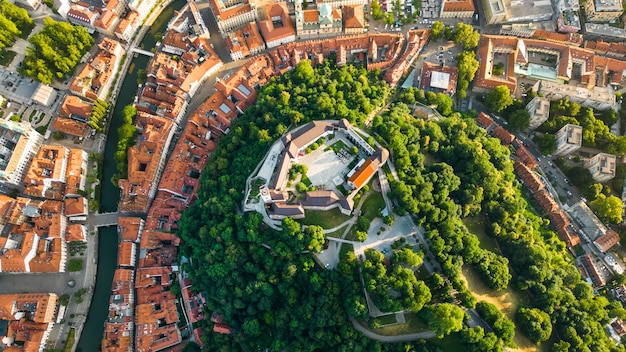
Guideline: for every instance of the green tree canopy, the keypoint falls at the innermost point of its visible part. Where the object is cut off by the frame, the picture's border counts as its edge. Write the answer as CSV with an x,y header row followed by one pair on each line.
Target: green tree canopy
x,y
55,50
518,120
436,31
609,209
546,143
466,36
535,324
445,318
499,99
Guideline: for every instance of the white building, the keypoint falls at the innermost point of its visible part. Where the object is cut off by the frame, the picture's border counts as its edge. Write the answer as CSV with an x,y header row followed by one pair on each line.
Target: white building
x,y
19,143
599,98
539,110
601,166
568,139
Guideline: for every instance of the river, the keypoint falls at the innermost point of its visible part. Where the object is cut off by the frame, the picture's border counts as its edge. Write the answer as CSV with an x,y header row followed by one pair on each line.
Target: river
x,y
107,237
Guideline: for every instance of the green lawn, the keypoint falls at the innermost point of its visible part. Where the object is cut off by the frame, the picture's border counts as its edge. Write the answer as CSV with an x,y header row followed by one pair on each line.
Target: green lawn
x,y
429,159
507,302
386,319
337,146
6,56
449,343
345,247
413,325
71,339
326,219
476,225
373,205
26,32
254,187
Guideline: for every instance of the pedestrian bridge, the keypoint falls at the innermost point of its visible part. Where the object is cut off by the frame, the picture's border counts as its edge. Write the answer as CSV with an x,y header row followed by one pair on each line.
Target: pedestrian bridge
x,y
103,219
143,52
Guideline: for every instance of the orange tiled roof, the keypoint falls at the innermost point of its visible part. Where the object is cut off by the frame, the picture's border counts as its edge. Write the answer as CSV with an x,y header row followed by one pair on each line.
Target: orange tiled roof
x,y
353,16
143,162
458,6
71,127
130,228
50,166
126,253
75,232
42,306
363,174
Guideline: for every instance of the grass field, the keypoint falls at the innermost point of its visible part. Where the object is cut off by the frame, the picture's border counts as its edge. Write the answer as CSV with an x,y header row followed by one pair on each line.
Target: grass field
x,y
6,56
373,205
429,159
71,339
386,319
507,300
413,325
326,219
449,343
337,146
476,225
27,31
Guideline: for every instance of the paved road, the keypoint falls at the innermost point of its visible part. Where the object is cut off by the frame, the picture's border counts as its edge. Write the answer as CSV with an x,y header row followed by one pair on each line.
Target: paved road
x,y
37,282
398,338
104,219
216,37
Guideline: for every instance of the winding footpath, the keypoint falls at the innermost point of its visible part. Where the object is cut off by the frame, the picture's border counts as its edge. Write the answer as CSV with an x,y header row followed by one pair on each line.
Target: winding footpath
x,y
428,334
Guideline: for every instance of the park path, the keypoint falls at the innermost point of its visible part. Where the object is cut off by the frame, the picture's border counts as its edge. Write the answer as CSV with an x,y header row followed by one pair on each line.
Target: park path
x,y
428,334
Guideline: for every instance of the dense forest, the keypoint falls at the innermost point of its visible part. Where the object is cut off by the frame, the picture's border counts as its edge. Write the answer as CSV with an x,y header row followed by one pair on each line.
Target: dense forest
x,y
268,287
487,185
276,298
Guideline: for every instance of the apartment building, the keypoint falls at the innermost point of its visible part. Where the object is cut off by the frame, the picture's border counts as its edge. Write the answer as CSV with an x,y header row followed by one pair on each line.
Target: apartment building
x,y
19,143
523,30
146,161
119,325
33,236
609,49
47,173
602,31
229,17
128,26
74,114
499,11
539,110
172,81
417,39
245,42
457,9
600,98
551,59
568,21
275,35
353,19
601,166
568,140
324,20
83,16
189,20
142,7
94,80
76,174
28,320
603,10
